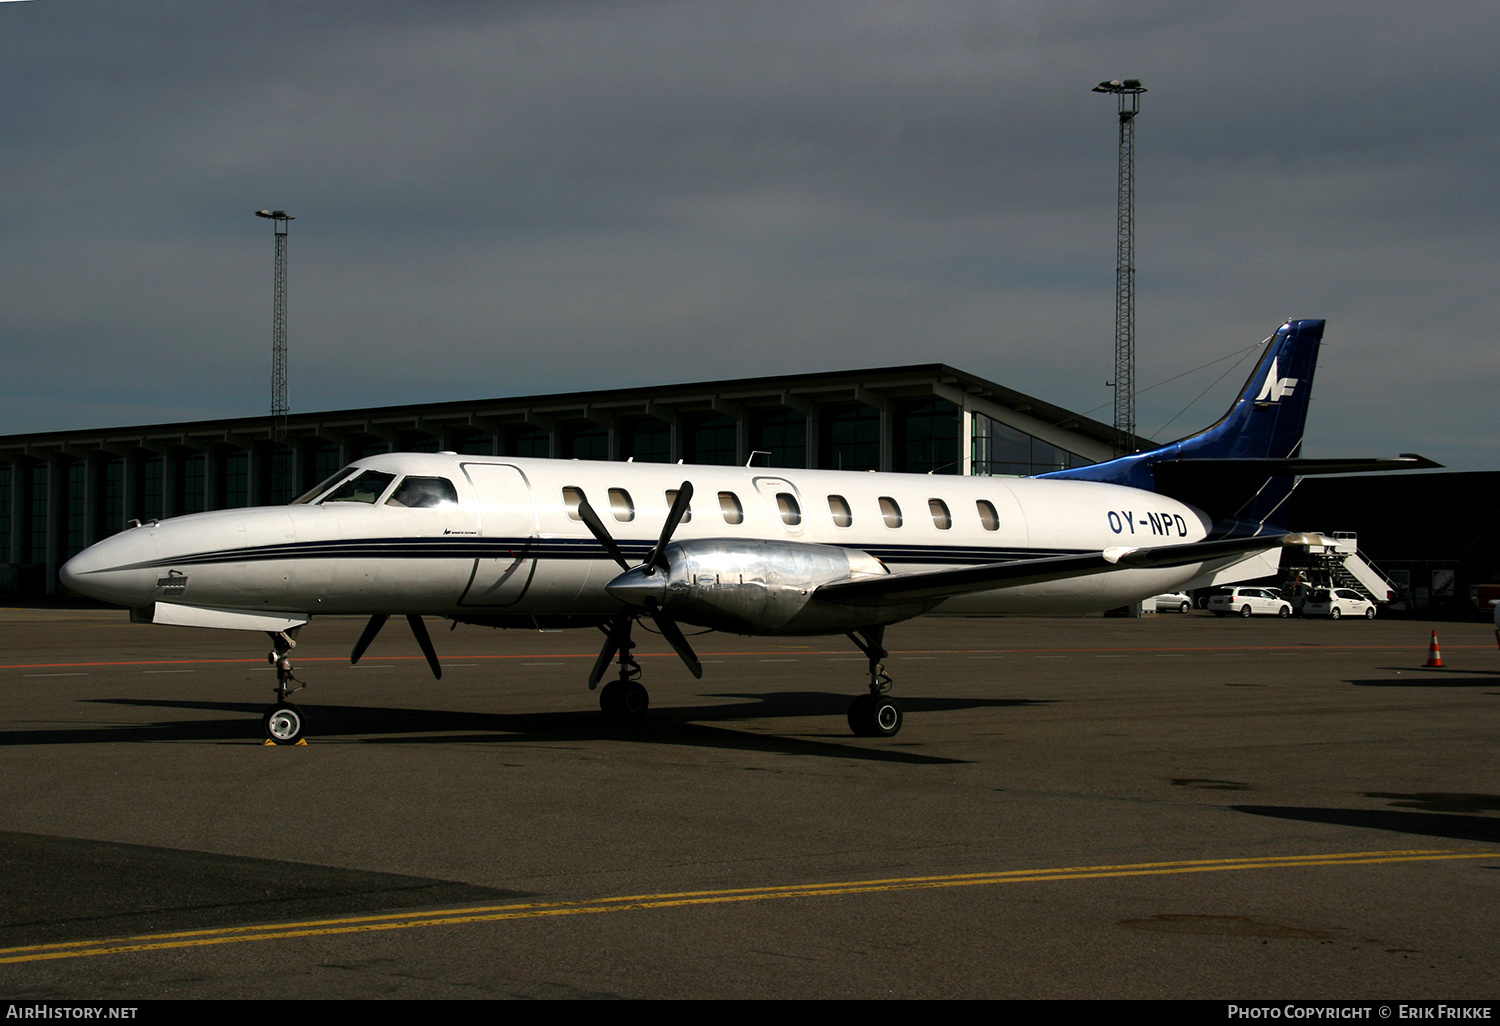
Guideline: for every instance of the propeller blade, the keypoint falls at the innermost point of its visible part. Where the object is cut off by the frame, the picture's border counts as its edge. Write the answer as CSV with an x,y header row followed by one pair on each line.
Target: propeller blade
x,y
673,634
657,560
619,630
600,532
424,641
368,635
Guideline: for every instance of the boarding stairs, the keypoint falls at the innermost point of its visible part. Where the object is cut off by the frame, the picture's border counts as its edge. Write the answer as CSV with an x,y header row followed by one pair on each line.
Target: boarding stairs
x,y
1334,561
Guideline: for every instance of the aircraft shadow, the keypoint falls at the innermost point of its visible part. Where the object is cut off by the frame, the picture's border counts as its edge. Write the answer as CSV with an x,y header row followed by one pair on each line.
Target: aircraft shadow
x,y
1425,824
1435,678
696,726
64,888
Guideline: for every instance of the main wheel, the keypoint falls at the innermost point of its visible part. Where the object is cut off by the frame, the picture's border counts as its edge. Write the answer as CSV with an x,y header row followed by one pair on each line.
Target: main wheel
x,y
872,716
624,700
859,715
283,723
1245,612
885,718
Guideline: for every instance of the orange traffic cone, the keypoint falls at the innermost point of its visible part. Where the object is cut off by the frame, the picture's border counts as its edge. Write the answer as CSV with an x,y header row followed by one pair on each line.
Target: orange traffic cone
x,y
1434,657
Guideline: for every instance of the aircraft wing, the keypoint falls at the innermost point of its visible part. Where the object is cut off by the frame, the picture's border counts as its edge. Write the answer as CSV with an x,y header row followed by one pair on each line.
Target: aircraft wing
x,y
937,584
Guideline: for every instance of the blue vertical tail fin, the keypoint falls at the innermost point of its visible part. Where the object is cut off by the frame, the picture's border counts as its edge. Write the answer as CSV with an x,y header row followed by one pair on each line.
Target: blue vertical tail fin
x,y
1229,469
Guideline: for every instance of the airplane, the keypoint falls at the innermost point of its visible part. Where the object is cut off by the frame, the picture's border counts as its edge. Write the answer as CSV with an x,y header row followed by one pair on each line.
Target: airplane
x,y
519,543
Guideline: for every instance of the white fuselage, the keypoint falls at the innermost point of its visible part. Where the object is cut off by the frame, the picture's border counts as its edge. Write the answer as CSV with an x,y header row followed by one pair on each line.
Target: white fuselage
x,y
511,546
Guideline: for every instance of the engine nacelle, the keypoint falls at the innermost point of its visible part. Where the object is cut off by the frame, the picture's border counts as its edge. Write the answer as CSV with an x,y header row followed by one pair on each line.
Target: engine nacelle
x,y
757,587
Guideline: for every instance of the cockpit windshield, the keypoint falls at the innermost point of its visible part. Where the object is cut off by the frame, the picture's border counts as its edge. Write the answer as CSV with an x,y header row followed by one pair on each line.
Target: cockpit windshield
x,y
367,487
322,486
424,493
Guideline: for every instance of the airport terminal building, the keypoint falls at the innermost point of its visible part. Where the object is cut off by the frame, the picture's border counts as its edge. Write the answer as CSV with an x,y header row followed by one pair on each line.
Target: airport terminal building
x,y
60,491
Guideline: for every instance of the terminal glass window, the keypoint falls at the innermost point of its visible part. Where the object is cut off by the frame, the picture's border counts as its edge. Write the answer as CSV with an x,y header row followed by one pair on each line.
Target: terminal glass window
x,y
533,442
714,440
782,434
1000,450
237,479
927,437
75,539
649,441
190,490
853,439
587,442
151,471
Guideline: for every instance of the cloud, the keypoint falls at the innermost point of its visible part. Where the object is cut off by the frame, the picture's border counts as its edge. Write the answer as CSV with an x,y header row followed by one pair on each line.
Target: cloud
x,y
500,199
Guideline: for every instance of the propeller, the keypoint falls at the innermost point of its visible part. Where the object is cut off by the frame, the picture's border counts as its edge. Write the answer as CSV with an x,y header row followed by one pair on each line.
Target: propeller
x,y
418,630
617,637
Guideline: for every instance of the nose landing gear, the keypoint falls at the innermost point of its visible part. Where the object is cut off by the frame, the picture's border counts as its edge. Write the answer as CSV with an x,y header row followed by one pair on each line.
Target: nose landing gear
x,y
283,722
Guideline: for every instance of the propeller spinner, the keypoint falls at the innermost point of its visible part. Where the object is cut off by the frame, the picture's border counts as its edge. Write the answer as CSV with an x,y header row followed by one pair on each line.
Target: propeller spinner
x,y
642,586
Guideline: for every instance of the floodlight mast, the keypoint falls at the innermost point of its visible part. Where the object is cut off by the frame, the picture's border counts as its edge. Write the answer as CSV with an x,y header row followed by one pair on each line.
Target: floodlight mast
x,y
1128,93
280,402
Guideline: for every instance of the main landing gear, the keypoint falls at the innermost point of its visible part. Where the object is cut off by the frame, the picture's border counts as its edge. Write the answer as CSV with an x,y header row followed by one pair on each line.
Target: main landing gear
x,y
875,714
624,698
283,722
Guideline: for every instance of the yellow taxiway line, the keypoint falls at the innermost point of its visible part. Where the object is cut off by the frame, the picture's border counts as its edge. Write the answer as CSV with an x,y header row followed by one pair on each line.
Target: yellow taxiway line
x,y
636,902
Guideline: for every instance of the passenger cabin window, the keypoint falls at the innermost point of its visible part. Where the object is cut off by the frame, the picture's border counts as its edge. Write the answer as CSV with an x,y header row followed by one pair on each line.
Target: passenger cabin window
x,y
687,516
791,513
321,487
424,493
734,513
573,498
839,507
941,519
890,511
619,502
367,487
988,518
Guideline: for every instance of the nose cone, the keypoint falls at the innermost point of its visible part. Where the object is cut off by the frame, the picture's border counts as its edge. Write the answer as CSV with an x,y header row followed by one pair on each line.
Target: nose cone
x,y
118,569
639,588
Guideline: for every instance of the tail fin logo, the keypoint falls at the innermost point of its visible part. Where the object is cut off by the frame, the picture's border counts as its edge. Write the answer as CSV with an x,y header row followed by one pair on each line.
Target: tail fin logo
x,y
1275,387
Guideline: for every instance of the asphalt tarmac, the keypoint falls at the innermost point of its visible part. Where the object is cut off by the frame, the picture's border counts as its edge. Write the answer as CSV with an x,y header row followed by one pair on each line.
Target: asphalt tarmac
x,y
1172,807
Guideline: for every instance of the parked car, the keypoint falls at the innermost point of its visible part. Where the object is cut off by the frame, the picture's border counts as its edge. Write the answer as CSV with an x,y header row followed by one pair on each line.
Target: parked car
x,y
1179,601
1337,602
1249,602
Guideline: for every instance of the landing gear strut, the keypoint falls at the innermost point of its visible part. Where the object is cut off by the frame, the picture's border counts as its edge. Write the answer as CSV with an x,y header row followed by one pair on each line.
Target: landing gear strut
x,y
624,698
283,722
875,714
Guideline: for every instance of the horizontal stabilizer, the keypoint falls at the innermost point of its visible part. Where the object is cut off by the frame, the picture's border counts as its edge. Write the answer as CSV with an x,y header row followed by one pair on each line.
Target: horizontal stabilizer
x,y
940,584
1227,483
1298,466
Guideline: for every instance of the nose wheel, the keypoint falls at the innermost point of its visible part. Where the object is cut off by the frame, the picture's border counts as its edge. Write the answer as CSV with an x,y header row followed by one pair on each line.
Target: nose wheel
x,y
283,722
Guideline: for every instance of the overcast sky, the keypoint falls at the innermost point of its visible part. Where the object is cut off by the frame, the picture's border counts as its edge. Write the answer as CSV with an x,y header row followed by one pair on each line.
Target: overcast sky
x,y
510,198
